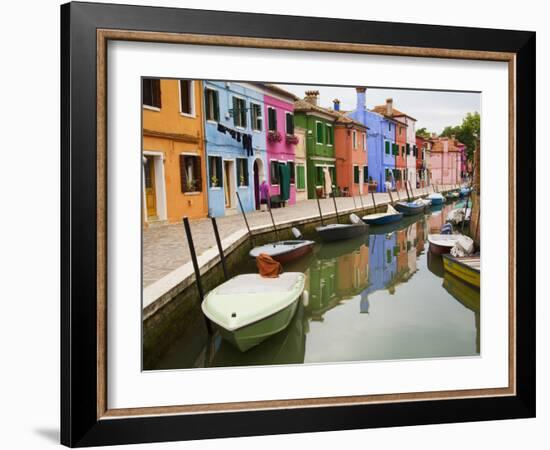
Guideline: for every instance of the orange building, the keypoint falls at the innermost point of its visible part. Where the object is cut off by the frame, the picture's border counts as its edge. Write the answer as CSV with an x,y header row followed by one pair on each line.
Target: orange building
x,y
350,144
173,151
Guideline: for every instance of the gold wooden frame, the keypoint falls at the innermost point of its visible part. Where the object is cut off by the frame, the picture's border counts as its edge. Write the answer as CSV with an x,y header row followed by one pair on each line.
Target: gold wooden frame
x,y
103,36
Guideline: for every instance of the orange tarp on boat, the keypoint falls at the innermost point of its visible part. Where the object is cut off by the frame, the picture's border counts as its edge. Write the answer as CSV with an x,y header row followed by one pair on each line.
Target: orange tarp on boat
x,y
268,267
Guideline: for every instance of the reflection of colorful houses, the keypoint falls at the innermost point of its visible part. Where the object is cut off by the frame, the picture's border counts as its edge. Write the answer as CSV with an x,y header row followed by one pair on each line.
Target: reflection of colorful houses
x,y
411,249
173,151
322,288
319,125
380,141
350,138
420,237
382,262
281,140
352,272
235,145
445,161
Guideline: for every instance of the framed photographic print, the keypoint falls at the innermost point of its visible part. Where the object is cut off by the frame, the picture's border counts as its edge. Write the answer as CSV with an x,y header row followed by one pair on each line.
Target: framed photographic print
x,y
274,224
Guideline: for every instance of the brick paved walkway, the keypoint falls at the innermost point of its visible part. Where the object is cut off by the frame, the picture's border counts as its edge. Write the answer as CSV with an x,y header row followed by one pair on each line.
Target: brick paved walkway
x,y
165,247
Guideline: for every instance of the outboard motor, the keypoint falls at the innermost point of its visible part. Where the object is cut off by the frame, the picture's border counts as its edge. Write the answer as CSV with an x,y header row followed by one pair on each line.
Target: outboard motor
x,y
447,229
296,233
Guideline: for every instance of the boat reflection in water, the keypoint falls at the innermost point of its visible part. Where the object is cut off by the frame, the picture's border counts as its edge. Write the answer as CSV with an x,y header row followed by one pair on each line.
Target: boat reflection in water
x,y
376,297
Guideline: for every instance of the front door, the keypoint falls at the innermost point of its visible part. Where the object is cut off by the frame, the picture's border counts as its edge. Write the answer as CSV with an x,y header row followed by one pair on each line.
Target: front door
x,y
256,185
150,192
227,178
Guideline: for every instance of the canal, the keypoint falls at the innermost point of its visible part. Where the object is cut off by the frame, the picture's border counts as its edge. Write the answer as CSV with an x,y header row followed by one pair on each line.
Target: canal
x,y
383,296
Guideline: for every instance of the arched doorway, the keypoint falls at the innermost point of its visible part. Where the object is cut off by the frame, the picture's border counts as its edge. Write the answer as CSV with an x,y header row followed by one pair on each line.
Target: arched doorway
x,y
258,175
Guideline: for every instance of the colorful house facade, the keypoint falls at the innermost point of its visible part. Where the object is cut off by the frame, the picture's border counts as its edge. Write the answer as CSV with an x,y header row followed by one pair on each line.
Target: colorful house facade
x,y
174,177
445,163
235,146
351,150
401,157
281,142
380,141
423,147
321,160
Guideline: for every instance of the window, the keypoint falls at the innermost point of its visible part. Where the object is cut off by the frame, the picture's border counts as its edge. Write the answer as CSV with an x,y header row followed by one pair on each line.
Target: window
x,y
242,171
239,112
387,147
408,149
415,151
319,129
389,126
354,139
332,172
397,174
365,174
403,151
395,149
289,123
212,105
356,174
272,119
388,256
215,169
256,116
190,173
329,138
274,172
151,92
400,131
301,176
186,97
292,170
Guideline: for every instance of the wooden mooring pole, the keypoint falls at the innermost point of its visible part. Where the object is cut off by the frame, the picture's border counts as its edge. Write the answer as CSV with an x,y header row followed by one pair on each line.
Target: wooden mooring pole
x,y
335,208
245,219
220,248
319,206
195,267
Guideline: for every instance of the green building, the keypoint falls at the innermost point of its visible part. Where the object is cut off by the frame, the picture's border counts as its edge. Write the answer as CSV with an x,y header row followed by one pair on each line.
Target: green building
x,y
320,154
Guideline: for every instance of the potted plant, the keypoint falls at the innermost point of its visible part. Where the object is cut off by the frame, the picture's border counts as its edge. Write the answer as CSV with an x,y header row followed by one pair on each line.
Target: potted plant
x,y
274,136
292,139
191,185
214,181
373,185
242,180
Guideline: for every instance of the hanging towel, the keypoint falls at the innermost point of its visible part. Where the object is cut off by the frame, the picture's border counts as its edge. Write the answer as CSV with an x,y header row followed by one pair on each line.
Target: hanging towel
x,y
328,181
222,128
267,266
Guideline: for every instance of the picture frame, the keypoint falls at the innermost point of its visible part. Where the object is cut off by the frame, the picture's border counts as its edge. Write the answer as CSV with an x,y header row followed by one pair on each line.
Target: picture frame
x,y
86,28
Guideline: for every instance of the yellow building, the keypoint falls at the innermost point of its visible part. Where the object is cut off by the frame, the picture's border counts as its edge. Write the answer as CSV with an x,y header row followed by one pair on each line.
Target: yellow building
x,y
173,151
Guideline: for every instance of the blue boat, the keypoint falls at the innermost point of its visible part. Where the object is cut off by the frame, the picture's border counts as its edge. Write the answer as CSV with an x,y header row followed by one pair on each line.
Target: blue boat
x,y
436,198
410,208
390,216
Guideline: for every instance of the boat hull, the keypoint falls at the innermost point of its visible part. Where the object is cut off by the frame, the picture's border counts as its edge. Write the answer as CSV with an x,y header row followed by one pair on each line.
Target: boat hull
x,y
461,271
383,220
409,210
439,249
437,201
292,254
251,335
329,234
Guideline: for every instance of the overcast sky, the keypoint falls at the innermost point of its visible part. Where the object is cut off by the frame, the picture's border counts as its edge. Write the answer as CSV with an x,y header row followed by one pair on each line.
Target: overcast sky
x,y
433,110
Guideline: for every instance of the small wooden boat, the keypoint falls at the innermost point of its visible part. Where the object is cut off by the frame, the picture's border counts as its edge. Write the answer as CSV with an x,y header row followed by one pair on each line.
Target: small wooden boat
x,y
341,231
284,251
442,243
465,268
436,198
250,308
390,216
424,201
452,195
410,208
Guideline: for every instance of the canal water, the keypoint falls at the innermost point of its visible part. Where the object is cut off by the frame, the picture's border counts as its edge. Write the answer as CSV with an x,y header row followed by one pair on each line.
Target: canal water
x,y
383,296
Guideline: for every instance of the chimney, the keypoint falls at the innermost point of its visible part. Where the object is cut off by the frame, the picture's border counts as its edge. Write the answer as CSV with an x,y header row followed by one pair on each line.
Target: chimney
x,y
312,97
453,136
434,135
389,107
361,103
336,103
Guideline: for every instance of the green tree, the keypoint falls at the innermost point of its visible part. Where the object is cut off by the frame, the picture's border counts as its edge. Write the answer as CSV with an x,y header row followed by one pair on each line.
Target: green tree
x,y
422,132
467,133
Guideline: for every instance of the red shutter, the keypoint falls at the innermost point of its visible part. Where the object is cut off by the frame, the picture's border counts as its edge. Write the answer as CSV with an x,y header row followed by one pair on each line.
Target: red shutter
x,y
198,173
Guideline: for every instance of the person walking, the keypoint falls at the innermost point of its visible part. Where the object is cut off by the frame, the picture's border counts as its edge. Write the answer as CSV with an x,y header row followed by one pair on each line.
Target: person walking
x,y
264,195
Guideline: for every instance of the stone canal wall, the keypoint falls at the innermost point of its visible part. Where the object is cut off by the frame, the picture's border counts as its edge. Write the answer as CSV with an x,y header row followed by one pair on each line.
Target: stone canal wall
x,y
172,305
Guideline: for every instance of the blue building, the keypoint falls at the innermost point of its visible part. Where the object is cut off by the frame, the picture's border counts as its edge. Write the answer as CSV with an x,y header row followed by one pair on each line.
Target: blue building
x,y
235,146
382,262
380,141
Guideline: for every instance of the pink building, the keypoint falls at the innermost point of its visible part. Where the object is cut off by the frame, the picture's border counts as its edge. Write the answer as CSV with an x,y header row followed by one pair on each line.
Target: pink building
x,y
281,140
463,159
445,162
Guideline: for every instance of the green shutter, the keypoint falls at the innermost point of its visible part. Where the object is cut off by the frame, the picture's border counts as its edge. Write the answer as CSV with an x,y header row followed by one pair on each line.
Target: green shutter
x,y
387,147
300,172
216,106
